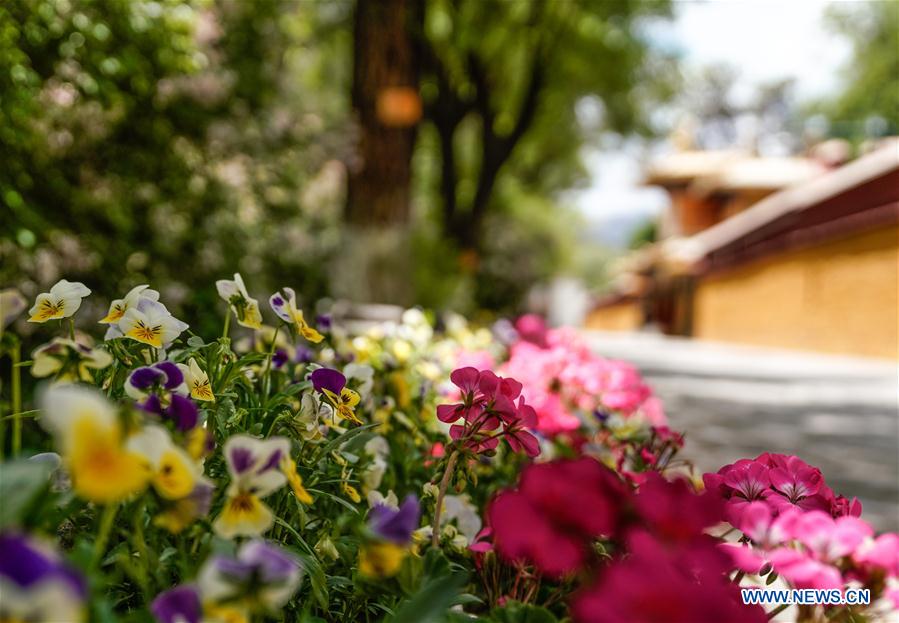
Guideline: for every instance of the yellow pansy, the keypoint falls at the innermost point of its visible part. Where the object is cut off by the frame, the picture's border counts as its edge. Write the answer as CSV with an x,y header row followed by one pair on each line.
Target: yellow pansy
x,y
289,467
175,474
179,514
381,560
197,380
350,491
102,470
254,467
89,437
198,442
68,360
63,300
344,404
214,613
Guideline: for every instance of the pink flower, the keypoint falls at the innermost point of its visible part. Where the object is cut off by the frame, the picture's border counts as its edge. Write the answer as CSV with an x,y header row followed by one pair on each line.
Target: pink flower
x,y
562,377
743,557
531,328
759,524
802,570
488,402
740,484
843,506
880,553
829,538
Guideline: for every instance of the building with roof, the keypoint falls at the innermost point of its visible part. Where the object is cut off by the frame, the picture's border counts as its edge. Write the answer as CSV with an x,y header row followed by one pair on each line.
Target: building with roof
x,y
775,252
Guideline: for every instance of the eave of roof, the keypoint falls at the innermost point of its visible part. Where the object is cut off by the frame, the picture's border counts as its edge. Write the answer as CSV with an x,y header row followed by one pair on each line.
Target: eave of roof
x,y
791,200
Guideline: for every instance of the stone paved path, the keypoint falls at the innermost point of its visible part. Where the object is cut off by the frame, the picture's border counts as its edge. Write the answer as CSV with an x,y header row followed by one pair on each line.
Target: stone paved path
x,y
839,413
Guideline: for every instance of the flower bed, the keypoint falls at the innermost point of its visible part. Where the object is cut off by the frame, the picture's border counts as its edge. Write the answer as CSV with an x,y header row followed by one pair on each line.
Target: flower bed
x,y
302,473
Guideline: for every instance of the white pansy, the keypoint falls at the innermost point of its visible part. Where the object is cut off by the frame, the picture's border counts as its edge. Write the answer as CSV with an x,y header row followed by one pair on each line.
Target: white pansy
x,y
118,307
151,323
246,308
61,301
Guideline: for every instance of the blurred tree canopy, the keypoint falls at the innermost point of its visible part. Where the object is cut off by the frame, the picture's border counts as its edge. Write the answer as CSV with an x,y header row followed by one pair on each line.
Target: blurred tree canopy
x,y
501,83
868,107
174,142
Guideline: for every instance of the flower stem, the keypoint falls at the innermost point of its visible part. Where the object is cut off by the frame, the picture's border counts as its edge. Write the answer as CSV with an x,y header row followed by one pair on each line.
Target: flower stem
x,y
444,483
227,323
106,521
72,327
16,374
266,375
777,611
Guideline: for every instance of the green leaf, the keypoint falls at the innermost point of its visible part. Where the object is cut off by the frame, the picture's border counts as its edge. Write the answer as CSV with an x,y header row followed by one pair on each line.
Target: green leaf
x,y
344,438
517,612
336,498
21,482
431,603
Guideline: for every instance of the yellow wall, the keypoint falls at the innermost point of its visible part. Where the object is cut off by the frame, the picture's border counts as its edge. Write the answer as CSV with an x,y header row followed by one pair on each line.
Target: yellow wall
x,y
625,316
838,297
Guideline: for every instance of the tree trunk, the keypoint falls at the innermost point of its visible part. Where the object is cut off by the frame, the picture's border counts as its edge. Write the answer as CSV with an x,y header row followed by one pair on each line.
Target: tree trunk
x,y
386,60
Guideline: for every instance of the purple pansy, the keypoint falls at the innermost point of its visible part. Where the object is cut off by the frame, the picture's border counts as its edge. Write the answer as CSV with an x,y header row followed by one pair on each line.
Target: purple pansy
x,y
163,374
304,355
274,460
183,412
323,321
27,566
178,605
145,378
241,459
283,306
262,571
279,358
395,525
174,376
328,379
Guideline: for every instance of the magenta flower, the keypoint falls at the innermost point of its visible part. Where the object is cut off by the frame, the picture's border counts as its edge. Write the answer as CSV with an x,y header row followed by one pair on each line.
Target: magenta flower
x,y
652,585
468,380
673,511
517,433
558,510
797,484
488,402
740,484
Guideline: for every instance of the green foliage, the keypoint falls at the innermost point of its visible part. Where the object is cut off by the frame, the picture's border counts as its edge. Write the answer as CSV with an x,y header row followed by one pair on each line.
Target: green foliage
x,y
21,482
870,91
178,142
645,234
168,141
